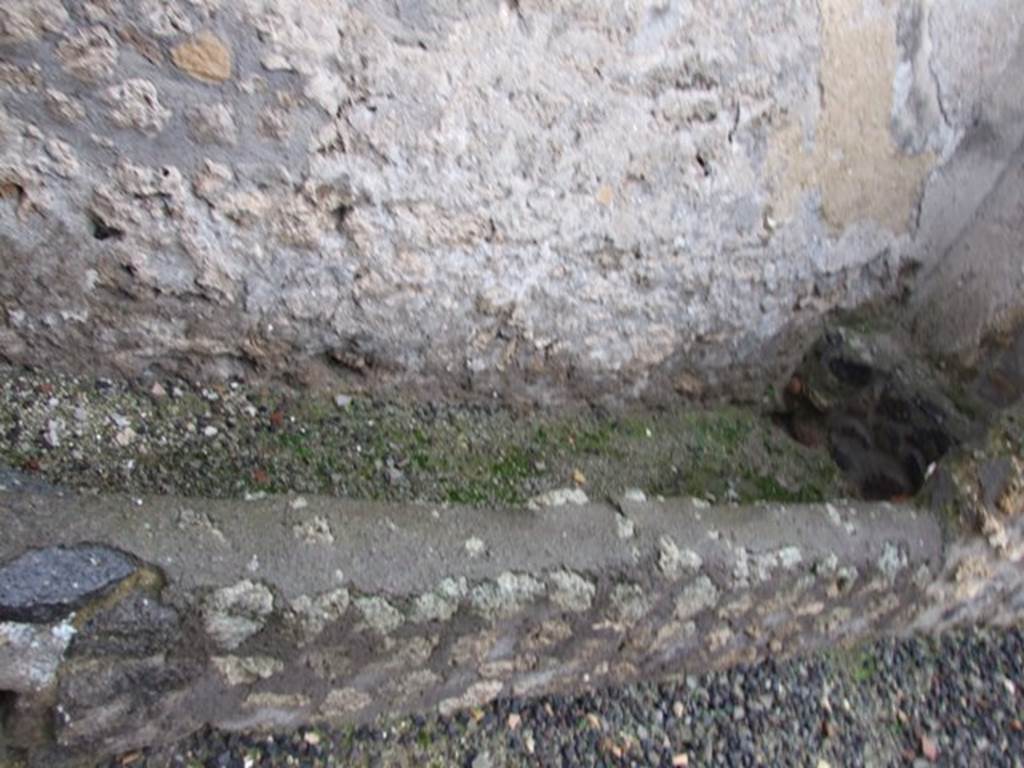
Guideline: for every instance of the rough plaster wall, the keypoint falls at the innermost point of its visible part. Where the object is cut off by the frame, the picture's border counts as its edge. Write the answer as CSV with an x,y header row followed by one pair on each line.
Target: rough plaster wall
x,y
978,289
541,199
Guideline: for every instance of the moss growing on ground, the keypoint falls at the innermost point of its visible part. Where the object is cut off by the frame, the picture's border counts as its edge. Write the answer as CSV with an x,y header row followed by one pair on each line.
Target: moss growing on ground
x,y
234,440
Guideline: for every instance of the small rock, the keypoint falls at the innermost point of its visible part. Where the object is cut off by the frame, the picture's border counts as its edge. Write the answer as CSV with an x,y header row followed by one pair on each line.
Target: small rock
x,y
45,584
343,401
513,721
578,477
233,614
379,614
558,498
315,531
680,760
52,436
678,710
929,749
125,437
30,655
634,495
673,562
475,547
571,591
483,760
210,431
157,391
245,670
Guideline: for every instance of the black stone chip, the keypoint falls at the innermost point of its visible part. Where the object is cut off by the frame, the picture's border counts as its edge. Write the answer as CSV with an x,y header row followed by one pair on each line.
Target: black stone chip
x,y
44,585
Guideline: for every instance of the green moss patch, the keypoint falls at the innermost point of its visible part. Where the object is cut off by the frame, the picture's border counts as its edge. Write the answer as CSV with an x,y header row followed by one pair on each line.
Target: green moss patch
x,y
235,440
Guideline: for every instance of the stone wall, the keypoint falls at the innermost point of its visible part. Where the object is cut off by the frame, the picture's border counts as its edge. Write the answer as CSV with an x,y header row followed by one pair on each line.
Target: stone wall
x,y
549,200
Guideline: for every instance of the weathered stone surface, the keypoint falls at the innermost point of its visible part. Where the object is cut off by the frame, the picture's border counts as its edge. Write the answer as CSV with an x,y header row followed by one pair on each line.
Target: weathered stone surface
x,y
47,584
441,603
30,654
379,614
242,670
476,695
629,603
89,54
571,592
314,613
345,702
107,707
673,562
505,595
696,597
557,202
137,626
314,531
212,124
24,20
233,614
136,104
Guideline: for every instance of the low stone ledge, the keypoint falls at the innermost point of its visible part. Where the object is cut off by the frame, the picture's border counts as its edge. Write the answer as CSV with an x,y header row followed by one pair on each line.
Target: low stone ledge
x,y
272,612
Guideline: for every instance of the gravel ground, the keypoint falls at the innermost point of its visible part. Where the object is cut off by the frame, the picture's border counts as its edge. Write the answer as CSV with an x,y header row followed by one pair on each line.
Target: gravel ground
x,y
955,700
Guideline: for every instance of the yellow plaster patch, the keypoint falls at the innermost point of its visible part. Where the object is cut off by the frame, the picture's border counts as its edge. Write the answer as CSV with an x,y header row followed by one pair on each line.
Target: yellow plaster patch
x,y
860,172
206,57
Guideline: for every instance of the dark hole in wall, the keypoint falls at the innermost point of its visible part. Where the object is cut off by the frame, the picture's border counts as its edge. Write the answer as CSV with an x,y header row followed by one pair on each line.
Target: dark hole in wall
x,y
14,191
882,436
850,372
103,231
341,214
705,165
